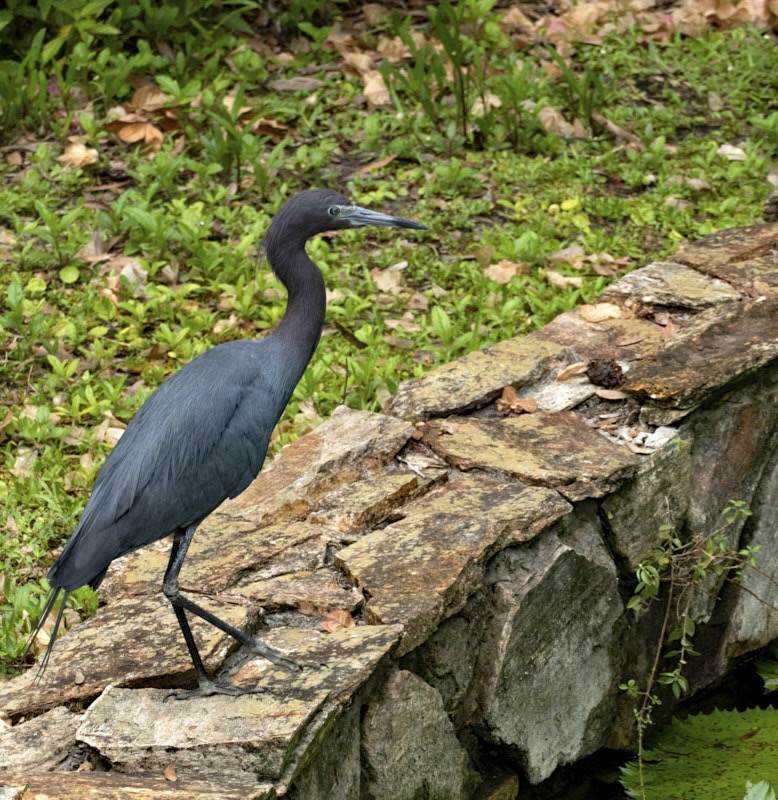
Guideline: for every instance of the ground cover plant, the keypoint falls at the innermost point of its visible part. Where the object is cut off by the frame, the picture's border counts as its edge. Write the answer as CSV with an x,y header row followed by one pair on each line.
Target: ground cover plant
x,y
146,146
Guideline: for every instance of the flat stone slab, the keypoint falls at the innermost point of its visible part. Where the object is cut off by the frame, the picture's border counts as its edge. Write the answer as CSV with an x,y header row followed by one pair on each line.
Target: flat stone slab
x,y
365,503
666,283
120,786
729,247
256,734
477,378
554,449
627,338
757,277
348,446
223,550
41,743
719,344
310,593
420,570
133,641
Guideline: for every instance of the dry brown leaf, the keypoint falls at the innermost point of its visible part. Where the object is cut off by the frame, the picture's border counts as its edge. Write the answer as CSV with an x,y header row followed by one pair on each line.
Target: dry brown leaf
x,y
25,458
225,324
132,132
374,89
77,154
266,126
376,14
297,84
510,401
572,371
568,255
418,302
337,620
483,105
229,103
553,122
361,62
610,394
731,153
579,131
388,280
130,269
503,271
405,323
170,773
379,164
149,97
393,50
600,312
562,281
403,344
617,131
516,19
14,158
585,15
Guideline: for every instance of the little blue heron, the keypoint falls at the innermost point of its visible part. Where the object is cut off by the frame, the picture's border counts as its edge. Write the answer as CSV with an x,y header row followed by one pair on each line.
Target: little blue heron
x,y
202,435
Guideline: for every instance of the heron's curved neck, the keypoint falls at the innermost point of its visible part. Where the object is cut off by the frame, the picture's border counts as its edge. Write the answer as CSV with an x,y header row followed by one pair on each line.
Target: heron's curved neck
x,y
303,319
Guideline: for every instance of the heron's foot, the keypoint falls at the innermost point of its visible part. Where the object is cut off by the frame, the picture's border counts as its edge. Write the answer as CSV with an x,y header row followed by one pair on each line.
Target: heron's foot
x,y
207,688
260,649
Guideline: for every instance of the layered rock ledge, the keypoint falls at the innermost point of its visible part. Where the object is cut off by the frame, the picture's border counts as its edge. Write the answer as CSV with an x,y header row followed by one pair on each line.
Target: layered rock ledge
x,y
483,554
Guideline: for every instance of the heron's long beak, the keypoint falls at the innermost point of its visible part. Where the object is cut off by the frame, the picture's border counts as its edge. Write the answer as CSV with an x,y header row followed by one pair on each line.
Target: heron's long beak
x,y
359,217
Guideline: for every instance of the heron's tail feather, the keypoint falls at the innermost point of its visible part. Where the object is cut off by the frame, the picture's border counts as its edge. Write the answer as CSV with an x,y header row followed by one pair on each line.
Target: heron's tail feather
x,y
51,601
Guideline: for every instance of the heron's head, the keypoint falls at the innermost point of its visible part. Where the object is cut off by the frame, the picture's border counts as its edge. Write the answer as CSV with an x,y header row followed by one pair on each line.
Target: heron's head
x,y
317,210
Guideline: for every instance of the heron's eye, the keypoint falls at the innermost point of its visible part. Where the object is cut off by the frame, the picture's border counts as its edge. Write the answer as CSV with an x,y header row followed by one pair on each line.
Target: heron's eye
x,y
334,211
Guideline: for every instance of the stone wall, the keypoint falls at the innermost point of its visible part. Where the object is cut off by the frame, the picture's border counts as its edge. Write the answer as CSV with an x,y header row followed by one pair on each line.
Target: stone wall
x,y
484,554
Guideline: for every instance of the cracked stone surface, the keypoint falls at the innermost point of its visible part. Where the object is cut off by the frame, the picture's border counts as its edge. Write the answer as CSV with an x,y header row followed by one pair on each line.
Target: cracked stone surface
x,y
718,345
421,569
477,378
410,747
666,283
364,503
133,641
468,546
254,733
348,446
729,247
657,495
119,786
547,656
558,450
626,339
39,744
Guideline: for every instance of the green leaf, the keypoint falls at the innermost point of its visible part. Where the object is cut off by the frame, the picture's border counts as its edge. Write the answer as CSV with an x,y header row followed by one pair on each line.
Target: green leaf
x,y
36,285
708,755
759,791
69,274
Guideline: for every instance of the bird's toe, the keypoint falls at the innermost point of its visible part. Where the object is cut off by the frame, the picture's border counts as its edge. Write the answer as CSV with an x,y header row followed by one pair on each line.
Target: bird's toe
x,y
208,688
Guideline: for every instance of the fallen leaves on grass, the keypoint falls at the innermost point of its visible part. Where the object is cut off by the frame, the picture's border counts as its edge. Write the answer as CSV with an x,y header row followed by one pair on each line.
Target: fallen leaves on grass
x,y
562,281
77,155
503,271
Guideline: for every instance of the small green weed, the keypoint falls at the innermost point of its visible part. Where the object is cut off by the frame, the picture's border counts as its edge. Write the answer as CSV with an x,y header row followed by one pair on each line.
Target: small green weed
x,y
672,574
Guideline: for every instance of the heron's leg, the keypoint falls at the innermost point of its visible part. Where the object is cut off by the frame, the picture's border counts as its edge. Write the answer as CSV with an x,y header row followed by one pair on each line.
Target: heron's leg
x,y
181,542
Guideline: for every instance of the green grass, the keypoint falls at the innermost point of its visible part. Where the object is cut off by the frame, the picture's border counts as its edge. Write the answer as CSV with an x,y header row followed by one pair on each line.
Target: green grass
x,y
83,347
